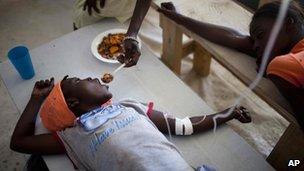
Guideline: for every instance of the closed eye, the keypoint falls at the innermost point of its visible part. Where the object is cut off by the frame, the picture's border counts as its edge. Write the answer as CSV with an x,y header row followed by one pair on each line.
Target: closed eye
x,y
75,80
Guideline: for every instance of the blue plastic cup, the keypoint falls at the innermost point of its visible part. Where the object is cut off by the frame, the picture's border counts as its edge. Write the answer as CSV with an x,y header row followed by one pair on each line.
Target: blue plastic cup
x,y
21,59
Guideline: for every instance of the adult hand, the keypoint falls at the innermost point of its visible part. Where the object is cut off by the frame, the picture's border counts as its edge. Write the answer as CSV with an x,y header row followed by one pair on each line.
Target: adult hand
x,y
42,89
169,10
131,53
242,114
92,4
168,6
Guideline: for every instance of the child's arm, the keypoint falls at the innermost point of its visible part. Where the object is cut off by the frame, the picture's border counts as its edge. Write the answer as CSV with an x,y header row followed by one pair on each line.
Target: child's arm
x,y
218,34
23,139
199,123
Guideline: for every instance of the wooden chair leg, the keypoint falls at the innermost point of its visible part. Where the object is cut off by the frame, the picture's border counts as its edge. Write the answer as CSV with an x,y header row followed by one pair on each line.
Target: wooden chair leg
x,y
188,48
201,60
289,147
172,44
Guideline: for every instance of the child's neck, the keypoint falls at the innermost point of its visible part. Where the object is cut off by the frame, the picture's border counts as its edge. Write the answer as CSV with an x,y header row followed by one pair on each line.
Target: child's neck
x,y
87,109
109,102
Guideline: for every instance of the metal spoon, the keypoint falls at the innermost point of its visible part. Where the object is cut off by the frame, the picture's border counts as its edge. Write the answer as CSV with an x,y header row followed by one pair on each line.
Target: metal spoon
x,y
119,68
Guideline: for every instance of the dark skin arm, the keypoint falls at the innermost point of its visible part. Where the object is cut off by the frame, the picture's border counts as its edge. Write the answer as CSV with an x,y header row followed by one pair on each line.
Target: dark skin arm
x,y
294,95
140,11
199,126
91,5
24,139
132,51
218,34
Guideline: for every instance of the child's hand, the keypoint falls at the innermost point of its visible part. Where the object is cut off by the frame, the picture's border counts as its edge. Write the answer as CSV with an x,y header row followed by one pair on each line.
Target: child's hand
x,y
42,89
242,114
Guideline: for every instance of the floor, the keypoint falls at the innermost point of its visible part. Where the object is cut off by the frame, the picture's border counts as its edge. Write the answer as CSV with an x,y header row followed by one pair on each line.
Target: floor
x,y
33,23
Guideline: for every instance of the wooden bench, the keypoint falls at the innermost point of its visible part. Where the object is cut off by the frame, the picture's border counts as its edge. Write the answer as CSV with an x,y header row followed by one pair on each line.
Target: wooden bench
x,y
230,14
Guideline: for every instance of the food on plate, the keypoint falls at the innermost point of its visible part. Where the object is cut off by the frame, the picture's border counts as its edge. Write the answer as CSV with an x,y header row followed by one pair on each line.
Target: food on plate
x,y
111,46
107,78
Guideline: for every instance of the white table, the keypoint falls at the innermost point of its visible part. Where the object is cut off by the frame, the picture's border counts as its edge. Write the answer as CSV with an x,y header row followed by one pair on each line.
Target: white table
x,y
230,14
150,80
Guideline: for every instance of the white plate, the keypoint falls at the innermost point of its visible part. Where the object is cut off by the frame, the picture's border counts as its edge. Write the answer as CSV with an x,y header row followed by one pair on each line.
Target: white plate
x,y
98,40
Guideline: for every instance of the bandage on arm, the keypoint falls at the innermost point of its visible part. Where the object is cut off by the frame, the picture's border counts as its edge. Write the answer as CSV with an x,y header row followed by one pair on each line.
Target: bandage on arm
x,y
185,126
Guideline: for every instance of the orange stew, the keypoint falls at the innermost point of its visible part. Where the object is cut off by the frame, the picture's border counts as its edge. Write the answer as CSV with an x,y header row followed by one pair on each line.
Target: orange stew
x,y
111,46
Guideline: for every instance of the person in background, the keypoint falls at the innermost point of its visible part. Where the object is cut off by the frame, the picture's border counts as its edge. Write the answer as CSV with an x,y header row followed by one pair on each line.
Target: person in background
x,y
285,67
90,11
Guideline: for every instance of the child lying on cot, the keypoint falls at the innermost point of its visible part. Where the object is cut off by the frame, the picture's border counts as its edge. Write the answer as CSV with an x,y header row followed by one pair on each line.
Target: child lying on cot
x,y
286,62
98,134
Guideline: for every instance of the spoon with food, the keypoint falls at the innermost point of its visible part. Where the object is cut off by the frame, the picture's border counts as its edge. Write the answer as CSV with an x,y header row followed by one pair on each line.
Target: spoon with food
x,y
108,77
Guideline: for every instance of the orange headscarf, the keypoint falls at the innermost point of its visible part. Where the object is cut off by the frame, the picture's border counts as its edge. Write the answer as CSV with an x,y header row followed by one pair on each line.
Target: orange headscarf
x,y
54,113
290,67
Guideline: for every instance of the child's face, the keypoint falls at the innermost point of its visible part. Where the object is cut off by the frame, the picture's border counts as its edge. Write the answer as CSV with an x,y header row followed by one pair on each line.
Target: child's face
x,y
85,92
260,32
